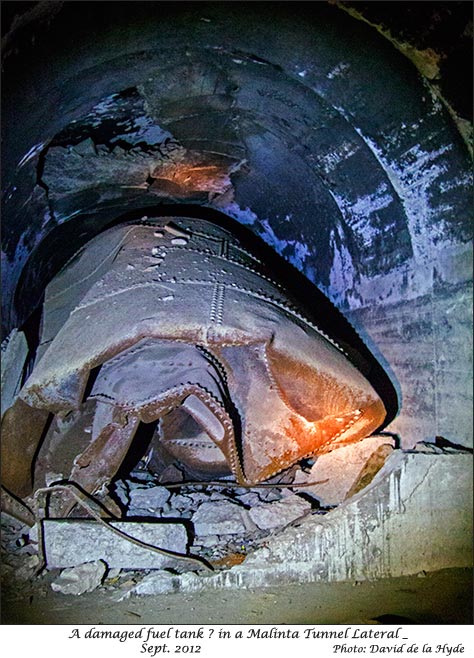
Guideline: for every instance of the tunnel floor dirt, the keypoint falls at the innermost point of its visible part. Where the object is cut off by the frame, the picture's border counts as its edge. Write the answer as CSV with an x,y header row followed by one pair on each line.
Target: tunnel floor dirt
x,y
443,597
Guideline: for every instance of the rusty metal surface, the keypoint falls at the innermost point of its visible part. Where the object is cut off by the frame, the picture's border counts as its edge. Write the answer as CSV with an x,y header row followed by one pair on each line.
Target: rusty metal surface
x,y
22,430
190,332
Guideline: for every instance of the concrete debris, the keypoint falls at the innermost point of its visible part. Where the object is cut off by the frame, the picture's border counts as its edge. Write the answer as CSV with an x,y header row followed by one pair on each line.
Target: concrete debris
x,y
121,491
251,499
170,512
14,351
206,541
147,500
346,470
389,529
270,495
80,579
279,514
156,583
219,518
217,495
197,498
69,541
181,502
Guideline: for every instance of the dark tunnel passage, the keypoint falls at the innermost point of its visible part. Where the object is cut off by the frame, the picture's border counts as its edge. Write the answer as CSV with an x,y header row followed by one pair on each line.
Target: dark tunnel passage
x,y
325,147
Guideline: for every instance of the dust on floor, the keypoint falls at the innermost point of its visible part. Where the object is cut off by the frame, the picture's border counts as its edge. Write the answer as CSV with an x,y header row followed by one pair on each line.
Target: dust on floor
x,y
443,597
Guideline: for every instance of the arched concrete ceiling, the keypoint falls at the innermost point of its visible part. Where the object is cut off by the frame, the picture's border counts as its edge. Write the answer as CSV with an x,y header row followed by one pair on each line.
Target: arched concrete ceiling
x,y
294,119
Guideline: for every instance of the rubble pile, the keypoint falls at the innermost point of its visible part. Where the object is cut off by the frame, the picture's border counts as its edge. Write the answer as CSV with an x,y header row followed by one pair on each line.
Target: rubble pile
x,y
222,519
217,523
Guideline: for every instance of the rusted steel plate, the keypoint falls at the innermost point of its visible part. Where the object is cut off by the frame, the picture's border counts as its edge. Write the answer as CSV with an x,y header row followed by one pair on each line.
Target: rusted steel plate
x,y
190,330
22,430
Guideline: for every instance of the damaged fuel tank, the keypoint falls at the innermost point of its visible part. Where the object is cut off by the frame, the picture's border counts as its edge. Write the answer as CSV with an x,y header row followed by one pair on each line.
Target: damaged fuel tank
x,y
175,324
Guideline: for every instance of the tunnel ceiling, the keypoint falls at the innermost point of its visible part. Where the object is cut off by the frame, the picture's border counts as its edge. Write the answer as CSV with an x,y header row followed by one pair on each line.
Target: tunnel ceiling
x,y
269,121
323,127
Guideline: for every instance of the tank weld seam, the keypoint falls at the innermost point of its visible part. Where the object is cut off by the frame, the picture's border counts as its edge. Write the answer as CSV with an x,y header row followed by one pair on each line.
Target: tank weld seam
x,y
249,254
235,461
147,284
290,310
201,343
258,295
273,381
347,426
180,389
208,236
213,310
223,416
357,415
224,247
188,443
215,362
219,306
229,259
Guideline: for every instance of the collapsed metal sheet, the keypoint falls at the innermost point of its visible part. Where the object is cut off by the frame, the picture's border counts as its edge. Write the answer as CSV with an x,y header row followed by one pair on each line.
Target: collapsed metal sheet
x,y
190,330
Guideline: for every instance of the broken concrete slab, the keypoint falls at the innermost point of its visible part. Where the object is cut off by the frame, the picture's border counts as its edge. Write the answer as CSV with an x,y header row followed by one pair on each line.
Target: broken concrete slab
x,y
147,500
346,470
279,514
219,518
14,351
69,542
80,579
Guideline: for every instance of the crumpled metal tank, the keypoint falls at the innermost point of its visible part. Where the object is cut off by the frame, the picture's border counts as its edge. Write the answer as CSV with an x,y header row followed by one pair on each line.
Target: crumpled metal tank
x,y
189,329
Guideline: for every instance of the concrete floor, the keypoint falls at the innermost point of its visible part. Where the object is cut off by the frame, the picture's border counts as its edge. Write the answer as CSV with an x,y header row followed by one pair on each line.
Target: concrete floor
x,y
443,597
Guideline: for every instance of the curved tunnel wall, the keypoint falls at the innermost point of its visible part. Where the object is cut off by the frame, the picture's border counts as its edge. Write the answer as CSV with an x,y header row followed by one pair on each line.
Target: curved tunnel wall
x,y
303,124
